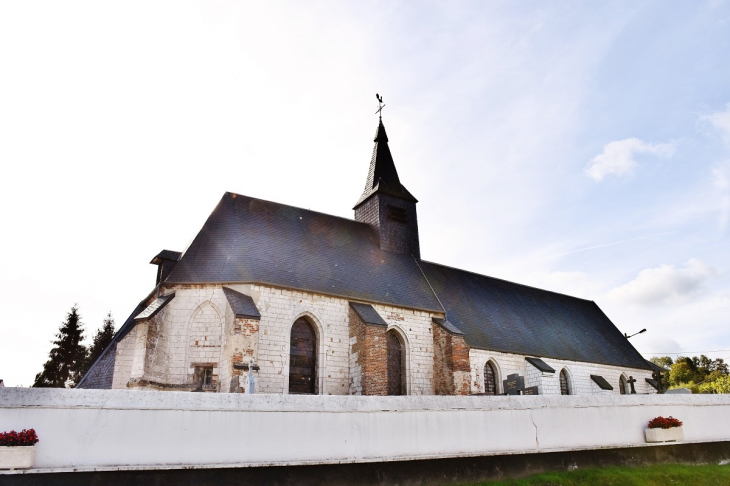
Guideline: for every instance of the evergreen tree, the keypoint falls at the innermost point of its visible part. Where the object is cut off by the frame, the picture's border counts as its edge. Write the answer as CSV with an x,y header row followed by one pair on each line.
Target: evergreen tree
x,y
67,359
101,340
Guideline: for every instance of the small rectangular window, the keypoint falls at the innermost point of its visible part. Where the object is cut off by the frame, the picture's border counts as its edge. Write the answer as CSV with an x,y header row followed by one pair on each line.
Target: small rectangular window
x,y
203,377
397,214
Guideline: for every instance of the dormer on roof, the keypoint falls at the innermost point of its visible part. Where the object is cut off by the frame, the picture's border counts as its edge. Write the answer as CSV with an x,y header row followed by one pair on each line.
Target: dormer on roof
x,y
165,261
386,204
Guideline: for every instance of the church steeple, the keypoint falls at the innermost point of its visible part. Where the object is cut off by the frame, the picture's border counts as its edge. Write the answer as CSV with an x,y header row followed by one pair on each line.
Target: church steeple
x,y
382,176
386,204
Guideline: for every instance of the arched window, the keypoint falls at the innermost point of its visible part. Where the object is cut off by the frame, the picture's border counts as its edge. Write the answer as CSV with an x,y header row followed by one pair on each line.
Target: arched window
x,y
622,385
303,358
490,379
564,386
396,355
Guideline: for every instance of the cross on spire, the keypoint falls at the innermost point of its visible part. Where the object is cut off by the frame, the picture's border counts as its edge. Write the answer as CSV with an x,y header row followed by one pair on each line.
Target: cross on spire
x,y
379,111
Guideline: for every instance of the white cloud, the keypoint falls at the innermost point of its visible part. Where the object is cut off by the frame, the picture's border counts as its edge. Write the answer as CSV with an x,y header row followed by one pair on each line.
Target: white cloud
x,y
664,284
720,120
618,157
721,184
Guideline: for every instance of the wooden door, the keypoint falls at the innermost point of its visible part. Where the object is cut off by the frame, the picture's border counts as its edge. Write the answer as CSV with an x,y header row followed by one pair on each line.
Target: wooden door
x,y
395,364
303,358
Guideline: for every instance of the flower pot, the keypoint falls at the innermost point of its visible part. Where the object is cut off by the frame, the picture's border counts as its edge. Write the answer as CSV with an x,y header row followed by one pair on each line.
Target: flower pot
x,y
20,457
672,434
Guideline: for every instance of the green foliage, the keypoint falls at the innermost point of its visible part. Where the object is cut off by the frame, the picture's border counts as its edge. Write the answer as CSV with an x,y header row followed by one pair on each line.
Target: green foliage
x,y
681,373
67,358
659,475
663,361
696,373
102,339
720,384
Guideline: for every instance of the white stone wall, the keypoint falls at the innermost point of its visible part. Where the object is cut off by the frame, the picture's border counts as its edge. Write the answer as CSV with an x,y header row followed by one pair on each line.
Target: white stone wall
x,y
124,359
118,429
196,325
579,374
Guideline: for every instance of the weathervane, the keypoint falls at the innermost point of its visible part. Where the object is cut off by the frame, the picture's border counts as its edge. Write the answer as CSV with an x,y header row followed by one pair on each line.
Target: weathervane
x,y
379,111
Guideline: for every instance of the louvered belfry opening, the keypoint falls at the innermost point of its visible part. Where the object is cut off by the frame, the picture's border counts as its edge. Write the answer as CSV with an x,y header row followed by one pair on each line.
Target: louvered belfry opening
x,y
622,385
303,358
395,364
564,389
490,381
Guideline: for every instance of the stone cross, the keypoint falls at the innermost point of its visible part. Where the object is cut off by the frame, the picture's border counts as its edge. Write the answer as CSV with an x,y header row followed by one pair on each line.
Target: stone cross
x,y
251,381
631,382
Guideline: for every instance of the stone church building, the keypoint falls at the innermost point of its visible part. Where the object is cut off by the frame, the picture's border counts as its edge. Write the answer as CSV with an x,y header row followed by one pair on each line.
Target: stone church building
x,y
311,303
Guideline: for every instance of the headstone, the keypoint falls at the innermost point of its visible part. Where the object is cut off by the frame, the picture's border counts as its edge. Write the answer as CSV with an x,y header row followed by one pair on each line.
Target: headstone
x,y
514,384
531,390
679,391
631,382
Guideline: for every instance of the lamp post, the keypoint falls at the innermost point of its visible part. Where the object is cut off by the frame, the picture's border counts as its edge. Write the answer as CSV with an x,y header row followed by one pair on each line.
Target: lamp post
x,y
627,336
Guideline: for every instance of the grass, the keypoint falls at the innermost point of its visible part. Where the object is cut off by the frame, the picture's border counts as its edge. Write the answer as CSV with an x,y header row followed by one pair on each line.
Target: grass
x,y
661,475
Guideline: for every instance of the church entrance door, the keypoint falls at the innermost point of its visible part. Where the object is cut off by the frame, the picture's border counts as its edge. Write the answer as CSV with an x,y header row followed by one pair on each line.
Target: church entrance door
x,y
395,364
302,358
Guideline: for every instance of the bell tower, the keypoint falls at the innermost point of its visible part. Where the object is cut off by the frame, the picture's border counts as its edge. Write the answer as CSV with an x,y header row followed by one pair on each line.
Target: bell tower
x,y
386,204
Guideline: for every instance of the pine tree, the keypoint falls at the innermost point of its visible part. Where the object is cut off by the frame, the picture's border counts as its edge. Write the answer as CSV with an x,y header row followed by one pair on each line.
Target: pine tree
x,y
101,340
68,357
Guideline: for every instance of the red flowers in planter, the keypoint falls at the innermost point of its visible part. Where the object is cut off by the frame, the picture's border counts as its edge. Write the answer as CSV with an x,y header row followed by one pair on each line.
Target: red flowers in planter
x,y
15,439
664,423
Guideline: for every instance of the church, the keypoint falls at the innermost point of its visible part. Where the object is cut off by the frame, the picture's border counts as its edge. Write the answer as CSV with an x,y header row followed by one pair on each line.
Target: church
x,y
270,298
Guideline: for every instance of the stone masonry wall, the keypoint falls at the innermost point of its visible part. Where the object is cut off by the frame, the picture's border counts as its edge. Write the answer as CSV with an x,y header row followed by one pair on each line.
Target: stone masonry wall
x,y
443,365
279,309
368,358
580,382
415,329
451,367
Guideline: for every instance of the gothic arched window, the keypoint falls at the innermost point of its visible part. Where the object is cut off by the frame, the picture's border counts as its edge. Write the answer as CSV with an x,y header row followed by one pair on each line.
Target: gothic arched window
x,y
622,385
303,358
396,354
490,380
564,386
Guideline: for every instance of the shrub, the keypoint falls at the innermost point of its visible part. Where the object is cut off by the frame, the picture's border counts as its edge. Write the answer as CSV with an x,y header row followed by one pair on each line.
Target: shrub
x,y
720,384
664,423
15,439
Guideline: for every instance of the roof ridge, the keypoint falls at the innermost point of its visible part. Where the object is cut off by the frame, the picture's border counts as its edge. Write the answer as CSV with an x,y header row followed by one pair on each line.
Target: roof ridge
x,y
508,281
295,207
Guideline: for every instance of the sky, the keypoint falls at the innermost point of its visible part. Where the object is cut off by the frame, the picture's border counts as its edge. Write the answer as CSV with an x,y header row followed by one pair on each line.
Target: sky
x,y
581,147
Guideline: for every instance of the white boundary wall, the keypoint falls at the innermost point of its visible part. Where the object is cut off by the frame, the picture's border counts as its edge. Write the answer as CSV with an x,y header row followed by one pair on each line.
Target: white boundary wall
x,y
120,429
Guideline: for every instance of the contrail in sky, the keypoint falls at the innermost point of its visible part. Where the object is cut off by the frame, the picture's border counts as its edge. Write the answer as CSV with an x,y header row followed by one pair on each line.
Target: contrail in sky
x,y
613,243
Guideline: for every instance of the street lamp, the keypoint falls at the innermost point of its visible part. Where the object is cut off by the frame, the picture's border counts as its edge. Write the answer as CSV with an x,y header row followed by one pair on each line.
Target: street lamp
x,y
627,336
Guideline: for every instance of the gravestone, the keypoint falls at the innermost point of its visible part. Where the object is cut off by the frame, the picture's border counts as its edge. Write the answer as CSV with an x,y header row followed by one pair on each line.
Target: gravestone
x,y
514,384
531,390
631,382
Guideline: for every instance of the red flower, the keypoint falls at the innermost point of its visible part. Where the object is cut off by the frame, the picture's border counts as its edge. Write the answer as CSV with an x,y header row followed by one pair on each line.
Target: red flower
x,y
16,439
664,423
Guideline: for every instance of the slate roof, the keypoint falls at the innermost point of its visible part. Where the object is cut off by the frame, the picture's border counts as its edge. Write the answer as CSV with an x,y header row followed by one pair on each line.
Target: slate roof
x,y
540,365
448,326
382,175
504,316
166,255
601,382
247,240
368,314
242,305
156,306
